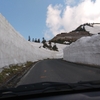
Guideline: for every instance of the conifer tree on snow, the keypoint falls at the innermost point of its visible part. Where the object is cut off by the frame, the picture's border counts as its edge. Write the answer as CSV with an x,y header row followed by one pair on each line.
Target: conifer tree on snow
x,y
29,39
38,40
55,47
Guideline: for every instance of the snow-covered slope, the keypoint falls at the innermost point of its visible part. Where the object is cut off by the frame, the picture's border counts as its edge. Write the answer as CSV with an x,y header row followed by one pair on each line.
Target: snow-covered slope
x,y
93,28
57,54
15,49
85,50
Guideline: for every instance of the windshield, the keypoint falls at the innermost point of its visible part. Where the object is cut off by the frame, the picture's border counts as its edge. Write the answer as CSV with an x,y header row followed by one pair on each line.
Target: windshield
x,y
49,41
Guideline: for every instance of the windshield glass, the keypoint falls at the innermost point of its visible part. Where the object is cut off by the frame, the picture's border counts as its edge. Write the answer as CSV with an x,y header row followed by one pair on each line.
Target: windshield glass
x,y
49,41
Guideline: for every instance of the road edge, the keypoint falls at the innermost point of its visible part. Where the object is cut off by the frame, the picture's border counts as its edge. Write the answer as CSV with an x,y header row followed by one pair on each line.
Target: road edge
x,y
27,72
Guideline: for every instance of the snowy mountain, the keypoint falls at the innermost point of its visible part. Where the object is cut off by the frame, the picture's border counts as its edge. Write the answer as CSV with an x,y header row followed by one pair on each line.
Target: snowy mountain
x,y
85,50
15,49
92,28
87,29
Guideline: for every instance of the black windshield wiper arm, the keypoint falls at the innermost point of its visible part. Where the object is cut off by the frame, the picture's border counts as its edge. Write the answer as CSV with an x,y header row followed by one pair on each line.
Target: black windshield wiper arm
x,y
35,88
39,86
44,87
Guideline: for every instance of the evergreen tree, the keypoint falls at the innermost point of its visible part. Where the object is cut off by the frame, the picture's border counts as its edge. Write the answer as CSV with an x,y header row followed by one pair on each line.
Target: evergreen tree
x,y
38,40
50,46
43,41
49,42
55,47
35,40
45,45
29,39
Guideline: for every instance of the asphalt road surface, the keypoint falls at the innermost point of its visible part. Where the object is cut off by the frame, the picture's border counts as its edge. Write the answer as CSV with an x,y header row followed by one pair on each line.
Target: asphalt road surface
x,y
57,70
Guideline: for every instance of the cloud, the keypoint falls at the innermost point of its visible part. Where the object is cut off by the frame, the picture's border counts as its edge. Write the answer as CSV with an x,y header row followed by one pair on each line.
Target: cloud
x,y
53,21
48,35
70,2
65,18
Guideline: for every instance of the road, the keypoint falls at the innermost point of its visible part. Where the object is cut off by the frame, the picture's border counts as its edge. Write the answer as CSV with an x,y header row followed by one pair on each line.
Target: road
x,y
57,70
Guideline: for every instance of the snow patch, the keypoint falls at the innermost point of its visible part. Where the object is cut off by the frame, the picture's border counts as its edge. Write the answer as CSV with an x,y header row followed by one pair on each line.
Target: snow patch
x,y
93,28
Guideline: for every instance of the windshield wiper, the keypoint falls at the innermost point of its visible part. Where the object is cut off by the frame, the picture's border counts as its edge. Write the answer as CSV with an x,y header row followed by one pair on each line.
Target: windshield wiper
x,y
36,88
72,86
44,87
89,84
56,86
97,82
8,93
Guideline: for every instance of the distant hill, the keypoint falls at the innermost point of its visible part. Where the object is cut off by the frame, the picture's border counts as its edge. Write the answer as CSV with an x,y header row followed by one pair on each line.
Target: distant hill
x,y
87,29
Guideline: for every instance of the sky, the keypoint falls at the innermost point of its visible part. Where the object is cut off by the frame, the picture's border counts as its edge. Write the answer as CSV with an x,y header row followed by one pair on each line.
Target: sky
x,y
47,18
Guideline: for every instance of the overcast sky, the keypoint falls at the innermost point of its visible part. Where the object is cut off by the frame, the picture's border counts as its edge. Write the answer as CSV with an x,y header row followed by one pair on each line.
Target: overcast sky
x,y
47,18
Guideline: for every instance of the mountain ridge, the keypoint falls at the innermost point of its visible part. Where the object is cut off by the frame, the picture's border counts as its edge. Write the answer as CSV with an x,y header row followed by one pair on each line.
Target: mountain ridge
x,y
81,31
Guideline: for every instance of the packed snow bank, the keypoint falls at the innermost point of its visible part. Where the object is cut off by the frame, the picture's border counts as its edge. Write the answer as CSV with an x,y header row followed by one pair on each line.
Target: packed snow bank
x,y
15,49
85,50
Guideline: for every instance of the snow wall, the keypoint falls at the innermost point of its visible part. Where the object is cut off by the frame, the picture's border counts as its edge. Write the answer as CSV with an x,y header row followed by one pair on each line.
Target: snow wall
x,y
85,50
15,49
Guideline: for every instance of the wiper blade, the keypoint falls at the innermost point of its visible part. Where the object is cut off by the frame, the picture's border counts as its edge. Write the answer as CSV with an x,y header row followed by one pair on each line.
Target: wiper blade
x,y
72,86
8,93
97,82
35,88
57,86
92,84
44,87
